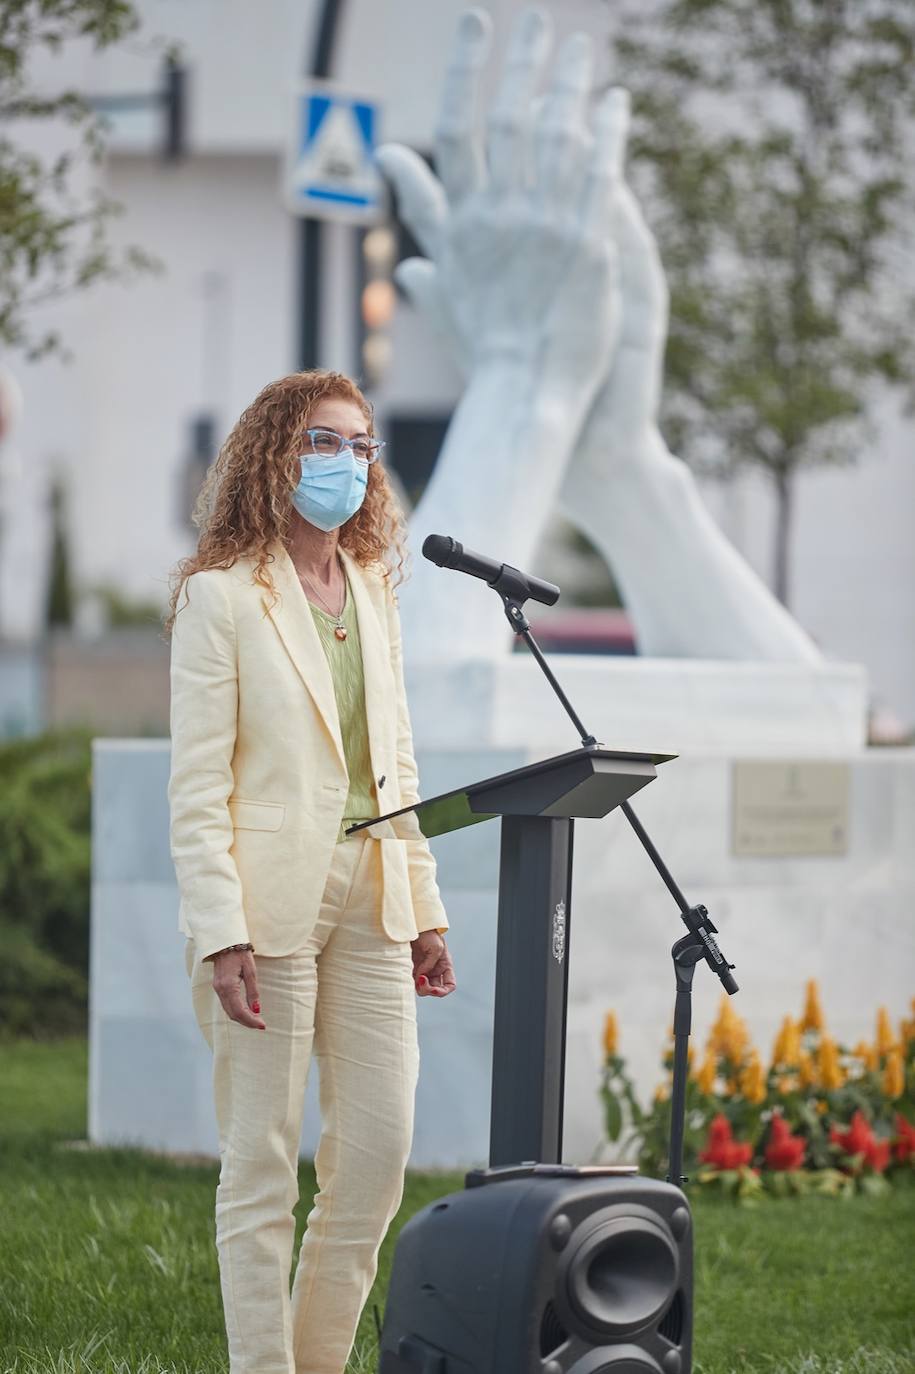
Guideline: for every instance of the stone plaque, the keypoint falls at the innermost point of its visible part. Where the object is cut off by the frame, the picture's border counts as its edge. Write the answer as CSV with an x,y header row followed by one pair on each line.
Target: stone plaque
x,y
783,807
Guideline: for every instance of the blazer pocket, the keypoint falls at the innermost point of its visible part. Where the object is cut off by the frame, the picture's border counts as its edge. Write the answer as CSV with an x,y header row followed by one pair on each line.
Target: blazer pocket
x,y
256,815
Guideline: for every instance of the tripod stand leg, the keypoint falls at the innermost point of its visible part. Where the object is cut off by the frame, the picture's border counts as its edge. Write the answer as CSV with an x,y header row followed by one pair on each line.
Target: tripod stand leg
x,y
686,954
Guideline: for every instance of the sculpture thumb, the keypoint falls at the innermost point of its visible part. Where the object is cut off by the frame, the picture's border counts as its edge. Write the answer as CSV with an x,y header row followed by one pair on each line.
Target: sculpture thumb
x,y
421,200
420,283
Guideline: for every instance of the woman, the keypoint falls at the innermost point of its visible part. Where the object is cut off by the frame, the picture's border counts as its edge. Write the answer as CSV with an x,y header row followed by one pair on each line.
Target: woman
x,y
289,723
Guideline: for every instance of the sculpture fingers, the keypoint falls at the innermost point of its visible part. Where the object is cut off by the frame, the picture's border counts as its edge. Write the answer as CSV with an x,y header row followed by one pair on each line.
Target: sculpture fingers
x,y
611,127
642,280
421,201
421,284
562,136
458,148
509,123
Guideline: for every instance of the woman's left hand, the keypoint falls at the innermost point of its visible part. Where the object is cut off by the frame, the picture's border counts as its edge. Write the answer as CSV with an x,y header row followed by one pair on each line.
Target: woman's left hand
x,y
433,971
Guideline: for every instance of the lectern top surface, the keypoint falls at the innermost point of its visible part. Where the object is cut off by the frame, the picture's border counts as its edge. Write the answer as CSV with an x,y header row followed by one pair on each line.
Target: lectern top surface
x,y
464,805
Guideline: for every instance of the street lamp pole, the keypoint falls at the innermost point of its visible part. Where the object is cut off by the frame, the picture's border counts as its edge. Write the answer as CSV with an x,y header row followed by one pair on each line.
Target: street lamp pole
x,y
311,231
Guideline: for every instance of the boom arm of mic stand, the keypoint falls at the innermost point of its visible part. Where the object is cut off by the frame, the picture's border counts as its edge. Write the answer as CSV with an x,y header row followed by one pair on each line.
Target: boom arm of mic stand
x,y
513,591
512,588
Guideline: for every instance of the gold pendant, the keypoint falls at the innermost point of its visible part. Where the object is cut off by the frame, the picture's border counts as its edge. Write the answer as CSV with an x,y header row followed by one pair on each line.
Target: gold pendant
x,y
340,631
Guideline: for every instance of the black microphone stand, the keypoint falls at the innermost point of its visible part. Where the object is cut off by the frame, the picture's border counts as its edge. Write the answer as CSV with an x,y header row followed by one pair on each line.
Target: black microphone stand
x,y
698,943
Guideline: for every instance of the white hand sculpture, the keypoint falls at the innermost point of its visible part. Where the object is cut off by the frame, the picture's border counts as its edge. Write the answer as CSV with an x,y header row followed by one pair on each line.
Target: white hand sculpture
x,y
688,590
520,253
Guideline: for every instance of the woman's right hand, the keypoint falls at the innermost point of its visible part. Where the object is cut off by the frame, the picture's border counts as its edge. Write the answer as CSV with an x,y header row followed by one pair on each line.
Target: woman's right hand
x,y
233,971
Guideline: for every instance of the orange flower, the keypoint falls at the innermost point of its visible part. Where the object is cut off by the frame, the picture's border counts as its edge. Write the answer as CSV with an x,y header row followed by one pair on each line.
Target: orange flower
x,y
787,1048
831,1074
753,1080
729,1036
867,1054
894,1075
807,1072
886,1040
813,1019
708,1070
611,1034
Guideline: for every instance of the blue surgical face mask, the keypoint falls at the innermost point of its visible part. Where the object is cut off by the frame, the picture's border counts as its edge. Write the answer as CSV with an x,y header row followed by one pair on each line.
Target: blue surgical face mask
x,y
330,490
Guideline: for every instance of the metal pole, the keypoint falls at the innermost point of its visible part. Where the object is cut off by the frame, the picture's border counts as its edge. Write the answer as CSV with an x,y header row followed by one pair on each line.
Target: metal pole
x,y
311,236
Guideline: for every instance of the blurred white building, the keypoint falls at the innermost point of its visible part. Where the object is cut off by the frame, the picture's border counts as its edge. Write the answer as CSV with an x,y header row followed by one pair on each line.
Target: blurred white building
x,y
192,347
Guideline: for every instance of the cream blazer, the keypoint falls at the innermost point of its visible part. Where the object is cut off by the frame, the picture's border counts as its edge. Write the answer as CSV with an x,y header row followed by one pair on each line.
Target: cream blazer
x,y
258,779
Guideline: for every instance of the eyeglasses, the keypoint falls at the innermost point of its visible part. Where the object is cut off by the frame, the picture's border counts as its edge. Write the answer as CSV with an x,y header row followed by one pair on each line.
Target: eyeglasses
x,y
327,443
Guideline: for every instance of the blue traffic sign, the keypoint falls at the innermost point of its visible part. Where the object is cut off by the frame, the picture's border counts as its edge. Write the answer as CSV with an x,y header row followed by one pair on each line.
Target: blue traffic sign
x,y
331,170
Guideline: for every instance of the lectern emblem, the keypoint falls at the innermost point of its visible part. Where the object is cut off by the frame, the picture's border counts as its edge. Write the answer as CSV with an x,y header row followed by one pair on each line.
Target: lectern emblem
x,y
559,932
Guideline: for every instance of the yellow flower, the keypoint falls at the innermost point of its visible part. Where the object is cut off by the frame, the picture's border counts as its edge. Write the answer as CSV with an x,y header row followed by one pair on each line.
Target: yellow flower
x,y
894,1075
787,1048
886,1040
729,1035
611,1034
661,1093
867,1054
787,1083
907,1031
831,1074
813,1019
753,1080
807,1072
705,1078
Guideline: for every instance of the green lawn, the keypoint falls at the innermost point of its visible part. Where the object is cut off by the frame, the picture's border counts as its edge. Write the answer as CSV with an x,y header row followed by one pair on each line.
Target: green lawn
x,y
108,1260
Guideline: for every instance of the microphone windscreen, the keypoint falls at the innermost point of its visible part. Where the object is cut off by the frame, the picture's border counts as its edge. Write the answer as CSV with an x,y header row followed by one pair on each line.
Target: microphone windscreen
x,y
440,549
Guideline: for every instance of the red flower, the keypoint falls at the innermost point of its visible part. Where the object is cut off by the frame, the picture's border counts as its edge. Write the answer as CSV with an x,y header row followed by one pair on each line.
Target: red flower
x,y
784,1151
860,1140
721,1149
904,1147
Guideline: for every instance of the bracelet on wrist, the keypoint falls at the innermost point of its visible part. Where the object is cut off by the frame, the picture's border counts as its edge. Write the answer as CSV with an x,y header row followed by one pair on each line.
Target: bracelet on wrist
x,y
229,948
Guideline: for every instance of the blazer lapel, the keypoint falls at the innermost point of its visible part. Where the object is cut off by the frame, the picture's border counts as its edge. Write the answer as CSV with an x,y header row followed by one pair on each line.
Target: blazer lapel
x,y
375,662
292,617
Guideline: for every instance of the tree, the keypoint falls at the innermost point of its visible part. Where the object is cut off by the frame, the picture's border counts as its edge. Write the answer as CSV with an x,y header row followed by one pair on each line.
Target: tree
x,y
60,581
769,146
53,234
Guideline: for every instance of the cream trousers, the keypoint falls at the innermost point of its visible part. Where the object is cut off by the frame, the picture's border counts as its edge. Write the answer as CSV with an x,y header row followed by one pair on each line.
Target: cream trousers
x,y
349,995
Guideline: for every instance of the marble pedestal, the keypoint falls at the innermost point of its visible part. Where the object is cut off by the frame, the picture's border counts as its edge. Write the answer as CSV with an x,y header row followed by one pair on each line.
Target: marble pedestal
x,y
845,920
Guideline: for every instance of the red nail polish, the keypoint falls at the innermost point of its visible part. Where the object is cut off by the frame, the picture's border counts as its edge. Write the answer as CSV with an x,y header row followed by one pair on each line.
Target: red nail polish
x,y
423,980
255,1006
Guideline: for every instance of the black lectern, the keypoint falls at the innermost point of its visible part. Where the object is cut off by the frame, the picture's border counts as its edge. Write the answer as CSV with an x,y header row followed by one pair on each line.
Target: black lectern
x,y
538,805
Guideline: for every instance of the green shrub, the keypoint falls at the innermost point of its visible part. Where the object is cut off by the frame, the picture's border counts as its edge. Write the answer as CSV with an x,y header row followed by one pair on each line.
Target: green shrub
x,y
39,995
45,872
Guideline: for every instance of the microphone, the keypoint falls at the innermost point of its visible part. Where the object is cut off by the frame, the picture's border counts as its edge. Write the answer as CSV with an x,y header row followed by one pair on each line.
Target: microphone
x,y
448,553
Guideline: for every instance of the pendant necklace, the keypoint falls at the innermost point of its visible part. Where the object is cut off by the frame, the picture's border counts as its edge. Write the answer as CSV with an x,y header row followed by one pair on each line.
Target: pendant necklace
x,y
339,627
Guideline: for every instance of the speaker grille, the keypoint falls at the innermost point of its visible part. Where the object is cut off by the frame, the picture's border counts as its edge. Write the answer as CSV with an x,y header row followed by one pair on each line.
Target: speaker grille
x,y
552,1331
671,1327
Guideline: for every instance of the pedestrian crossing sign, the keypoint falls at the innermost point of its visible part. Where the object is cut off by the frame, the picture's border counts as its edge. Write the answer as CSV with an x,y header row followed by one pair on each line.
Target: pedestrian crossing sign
x,y
330,170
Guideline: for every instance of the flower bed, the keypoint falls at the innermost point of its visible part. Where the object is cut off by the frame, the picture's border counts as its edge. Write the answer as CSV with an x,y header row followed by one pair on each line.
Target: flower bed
x,y
821,1117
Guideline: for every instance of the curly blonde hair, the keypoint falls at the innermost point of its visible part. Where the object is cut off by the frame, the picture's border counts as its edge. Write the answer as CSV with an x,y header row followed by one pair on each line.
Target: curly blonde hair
x,y
245,502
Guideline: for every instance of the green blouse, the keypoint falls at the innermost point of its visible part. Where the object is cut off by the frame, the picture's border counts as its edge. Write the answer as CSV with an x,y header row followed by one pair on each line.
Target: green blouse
x,y
344,658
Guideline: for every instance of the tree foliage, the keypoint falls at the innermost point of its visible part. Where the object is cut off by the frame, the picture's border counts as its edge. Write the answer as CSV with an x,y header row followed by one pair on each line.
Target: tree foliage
x,y
53,222
769,144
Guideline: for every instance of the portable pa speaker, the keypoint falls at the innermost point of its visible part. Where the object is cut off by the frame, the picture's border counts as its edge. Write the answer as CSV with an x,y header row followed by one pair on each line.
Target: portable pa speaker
x,y
544,1267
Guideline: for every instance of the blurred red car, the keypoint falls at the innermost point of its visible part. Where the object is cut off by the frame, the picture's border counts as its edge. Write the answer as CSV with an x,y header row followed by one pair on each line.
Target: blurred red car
x,y
583,630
